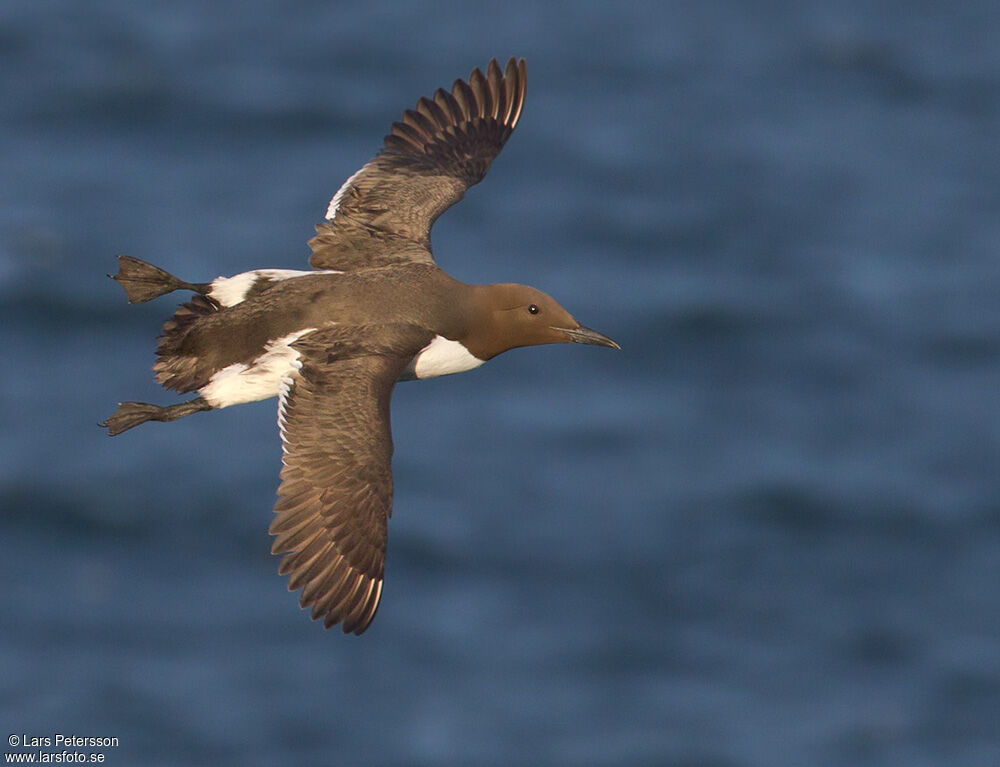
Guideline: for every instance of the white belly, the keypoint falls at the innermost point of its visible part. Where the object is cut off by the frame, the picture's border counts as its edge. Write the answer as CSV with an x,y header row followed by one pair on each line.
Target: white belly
x,y
442,357
261,379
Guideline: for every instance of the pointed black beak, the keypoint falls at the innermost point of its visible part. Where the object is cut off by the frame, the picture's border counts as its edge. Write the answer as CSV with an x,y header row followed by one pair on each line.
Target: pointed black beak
x,y
582,335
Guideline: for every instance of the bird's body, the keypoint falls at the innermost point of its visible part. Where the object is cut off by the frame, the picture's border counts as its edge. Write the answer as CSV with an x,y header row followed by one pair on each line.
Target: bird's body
x,y
332,342
287,306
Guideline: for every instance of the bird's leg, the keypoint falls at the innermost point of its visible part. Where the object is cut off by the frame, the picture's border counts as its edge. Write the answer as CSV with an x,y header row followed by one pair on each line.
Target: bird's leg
x,y
131,414
144,282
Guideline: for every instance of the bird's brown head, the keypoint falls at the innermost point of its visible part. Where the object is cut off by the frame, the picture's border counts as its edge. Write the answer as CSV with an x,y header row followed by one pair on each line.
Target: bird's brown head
x,y
519,315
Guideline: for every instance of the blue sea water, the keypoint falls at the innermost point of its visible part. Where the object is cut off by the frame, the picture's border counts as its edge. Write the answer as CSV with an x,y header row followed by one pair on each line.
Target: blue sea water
x,y
766,532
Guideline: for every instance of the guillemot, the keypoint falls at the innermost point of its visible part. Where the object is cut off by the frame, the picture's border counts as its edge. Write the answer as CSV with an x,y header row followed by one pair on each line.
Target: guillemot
x,y
331,342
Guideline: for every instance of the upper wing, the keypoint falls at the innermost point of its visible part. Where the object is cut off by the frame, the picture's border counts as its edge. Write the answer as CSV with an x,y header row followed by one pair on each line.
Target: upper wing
x,y
384,212
336,482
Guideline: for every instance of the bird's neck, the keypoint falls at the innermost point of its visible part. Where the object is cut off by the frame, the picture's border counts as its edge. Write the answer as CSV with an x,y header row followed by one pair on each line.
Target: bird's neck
x,y
483,336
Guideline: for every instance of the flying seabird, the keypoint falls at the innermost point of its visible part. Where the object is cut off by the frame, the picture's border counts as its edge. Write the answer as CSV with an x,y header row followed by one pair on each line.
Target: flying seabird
x,y
332,342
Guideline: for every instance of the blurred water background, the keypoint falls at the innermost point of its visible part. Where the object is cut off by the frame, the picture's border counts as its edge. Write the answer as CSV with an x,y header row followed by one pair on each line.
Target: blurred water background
x,y
765,533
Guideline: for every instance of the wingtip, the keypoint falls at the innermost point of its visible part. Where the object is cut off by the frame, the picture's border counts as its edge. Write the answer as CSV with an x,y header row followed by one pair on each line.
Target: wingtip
x,y
496,98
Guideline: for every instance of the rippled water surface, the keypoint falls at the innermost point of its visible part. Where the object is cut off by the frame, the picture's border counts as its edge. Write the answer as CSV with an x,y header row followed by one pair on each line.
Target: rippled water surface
x,y
765,533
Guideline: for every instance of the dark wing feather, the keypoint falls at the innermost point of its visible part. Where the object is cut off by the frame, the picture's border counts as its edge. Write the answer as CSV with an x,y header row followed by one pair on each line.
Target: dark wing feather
x,y
336,483
383,213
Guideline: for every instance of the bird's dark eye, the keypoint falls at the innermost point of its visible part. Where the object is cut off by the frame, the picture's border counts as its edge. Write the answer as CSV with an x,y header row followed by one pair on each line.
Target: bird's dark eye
x,y
532,309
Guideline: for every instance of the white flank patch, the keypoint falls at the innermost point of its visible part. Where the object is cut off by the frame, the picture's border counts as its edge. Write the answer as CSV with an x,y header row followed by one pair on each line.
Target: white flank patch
x,y
261,379
442,357
230,291
338,198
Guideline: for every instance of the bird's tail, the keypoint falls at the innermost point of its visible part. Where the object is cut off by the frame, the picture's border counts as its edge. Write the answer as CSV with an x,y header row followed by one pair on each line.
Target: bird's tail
x,y
176,366
144,282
